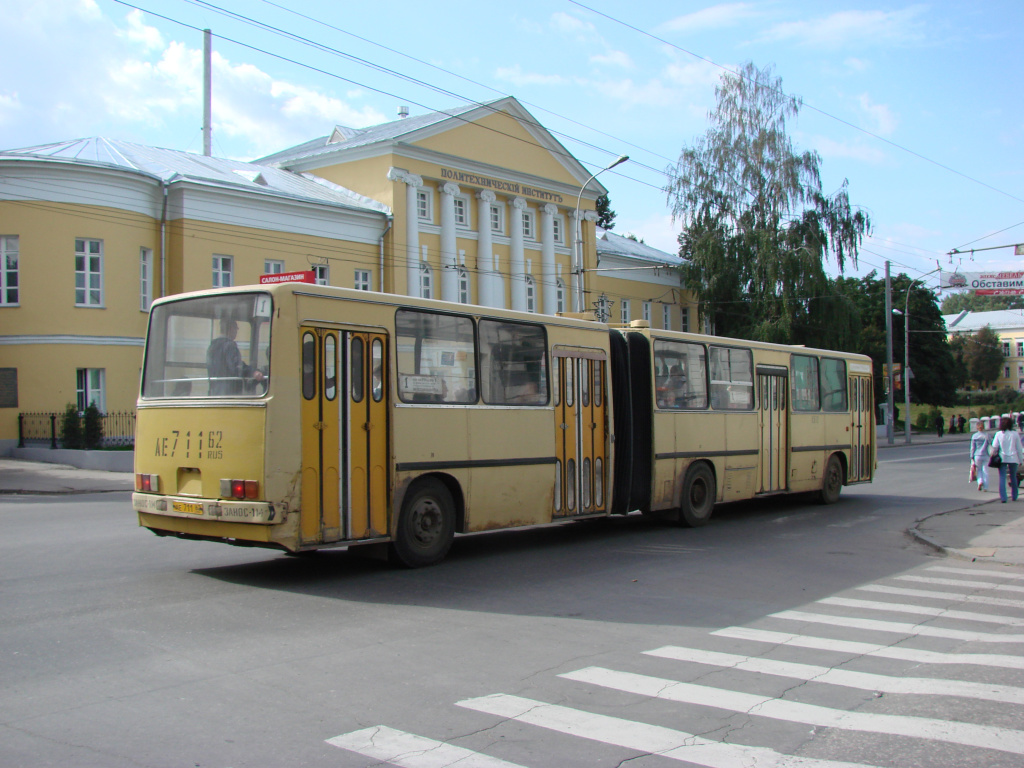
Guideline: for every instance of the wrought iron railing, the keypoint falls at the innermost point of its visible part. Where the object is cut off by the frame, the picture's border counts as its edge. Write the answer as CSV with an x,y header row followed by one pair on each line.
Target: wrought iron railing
x,y
47,429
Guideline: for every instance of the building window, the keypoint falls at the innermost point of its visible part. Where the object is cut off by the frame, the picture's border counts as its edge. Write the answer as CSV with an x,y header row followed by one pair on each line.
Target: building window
x,y
461,212
362,280
497,218
558,224
625,310
424,207
559,295
222,272
1006,349
273,266
685,314
1020,349
529,233
463,285
91,388
666,316
647,311
531,294
145,278
321,274
8,270
88,272
426,281
1006,372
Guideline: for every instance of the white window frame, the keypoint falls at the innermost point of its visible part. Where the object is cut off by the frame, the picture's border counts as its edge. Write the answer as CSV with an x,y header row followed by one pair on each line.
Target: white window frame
x,y
1006,349
322,274
362,280
223,270
666,316
1020,348
145,279
426,281
91,386
1006,371
10,295
647,311
684,313
559,295
463,285
529,226
624,310
88,291
531,294
461,205
558,228
425,204
273,266
497,214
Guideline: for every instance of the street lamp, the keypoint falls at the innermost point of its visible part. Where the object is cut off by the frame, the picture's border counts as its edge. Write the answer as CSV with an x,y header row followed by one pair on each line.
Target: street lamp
x,y
579,237
906,358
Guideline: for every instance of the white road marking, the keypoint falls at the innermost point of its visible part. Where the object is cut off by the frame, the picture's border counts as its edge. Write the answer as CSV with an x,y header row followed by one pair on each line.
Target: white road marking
x,y
902,628
649,739
979,572
871,649
1001,602
968,734
962,583
846,678
923,610
408,750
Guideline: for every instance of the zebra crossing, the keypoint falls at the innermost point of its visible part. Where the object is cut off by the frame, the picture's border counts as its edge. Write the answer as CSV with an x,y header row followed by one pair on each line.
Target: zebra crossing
x,y
895,638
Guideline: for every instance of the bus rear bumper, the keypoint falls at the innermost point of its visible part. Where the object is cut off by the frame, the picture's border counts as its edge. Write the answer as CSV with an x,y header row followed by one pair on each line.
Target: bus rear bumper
x,y
219,510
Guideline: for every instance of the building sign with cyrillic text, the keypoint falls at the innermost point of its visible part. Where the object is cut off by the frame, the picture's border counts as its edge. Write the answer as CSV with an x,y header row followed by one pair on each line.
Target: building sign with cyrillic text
x,y
499,185
986,283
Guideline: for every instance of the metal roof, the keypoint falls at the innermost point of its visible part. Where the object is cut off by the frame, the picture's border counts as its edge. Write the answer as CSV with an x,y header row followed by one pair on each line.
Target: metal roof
x,y
998,320
610,244
171,165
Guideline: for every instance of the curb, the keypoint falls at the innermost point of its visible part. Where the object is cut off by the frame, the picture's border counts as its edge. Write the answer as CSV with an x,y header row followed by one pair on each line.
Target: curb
x,y
953,552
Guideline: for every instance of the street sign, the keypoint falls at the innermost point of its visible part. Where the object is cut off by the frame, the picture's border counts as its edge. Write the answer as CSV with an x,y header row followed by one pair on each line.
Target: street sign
x,y
306,276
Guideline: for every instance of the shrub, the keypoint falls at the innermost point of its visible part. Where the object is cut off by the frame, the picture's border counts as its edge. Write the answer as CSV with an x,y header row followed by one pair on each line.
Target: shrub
x,y
71,427
92,435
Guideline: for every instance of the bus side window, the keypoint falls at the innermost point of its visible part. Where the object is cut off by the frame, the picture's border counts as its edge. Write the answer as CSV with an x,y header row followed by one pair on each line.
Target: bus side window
x,y
308,366
357,369
377,361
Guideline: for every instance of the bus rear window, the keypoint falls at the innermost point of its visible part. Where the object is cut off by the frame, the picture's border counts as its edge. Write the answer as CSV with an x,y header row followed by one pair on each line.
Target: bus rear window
x,y
217,346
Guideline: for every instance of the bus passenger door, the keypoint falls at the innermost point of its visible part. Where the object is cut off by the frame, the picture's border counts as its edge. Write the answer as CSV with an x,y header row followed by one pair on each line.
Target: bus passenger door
x,y
321,419
774,424
861,407
580,435
367,435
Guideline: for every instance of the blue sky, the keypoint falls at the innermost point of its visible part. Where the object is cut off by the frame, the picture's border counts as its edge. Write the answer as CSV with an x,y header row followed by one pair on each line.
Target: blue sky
x,y
918,105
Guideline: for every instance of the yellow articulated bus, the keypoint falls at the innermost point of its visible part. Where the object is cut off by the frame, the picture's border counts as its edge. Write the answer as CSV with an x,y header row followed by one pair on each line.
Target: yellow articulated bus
x,y
301,417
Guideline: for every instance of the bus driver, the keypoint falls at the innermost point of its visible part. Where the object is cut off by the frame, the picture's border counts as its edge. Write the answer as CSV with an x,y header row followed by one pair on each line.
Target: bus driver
x,y
224,363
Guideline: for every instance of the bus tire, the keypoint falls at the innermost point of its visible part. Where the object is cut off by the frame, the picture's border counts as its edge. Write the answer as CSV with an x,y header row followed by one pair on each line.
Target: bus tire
x,y
698,496
832,482
426,525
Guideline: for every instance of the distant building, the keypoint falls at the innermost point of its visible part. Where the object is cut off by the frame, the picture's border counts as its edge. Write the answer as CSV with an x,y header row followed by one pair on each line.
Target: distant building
x,y
1008,324
475,205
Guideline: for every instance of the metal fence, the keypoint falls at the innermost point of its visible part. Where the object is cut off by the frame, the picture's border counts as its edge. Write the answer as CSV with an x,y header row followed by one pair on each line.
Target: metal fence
x,y
47,429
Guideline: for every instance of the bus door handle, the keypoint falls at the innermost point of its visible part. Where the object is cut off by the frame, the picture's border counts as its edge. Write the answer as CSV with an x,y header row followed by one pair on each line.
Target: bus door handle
x,y
319,425
563,426
367,426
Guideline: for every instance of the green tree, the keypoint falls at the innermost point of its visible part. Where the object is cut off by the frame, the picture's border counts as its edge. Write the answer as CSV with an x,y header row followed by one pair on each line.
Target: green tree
x,y
983,355
71,427
757,227
92,427
605,214
971,301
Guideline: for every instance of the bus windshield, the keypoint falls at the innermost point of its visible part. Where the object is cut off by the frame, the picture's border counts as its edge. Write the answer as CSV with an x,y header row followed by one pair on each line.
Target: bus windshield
x,y
216,346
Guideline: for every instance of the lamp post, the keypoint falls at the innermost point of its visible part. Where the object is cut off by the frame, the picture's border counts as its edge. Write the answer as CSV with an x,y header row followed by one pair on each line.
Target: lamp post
x,y
579,236
906,359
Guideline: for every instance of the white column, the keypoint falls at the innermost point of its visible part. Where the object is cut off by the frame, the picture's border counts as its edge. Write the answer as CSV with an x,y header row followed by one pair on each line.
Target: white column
x,y
547,258
517,267
584,265
485,250
412,229
449,255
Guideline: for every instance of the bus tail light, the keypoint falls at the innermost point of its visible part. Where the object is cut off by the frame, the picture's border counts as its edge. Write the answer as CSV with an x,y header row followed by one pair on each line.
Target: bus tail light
x,y
239,489
147,483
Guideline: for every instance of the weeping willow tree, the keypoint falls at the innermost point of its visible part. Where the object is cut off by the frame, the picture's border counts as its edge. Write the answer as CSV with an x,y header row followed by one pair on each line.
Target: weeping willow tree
x,y
757,228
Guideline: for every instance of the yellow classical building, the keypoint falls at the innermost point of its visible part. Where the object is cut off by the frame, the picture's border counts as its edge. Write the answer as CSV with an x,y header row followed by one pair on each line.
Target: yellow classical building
x,y
475,205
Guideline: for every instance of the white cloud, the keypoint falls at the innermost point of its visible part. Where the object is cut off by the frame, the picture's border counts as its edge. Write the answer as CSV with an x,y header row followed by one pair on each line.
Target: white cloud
x,y
657,230
518,78
613,58
715,17
851,27
138,32
856,65
882,120
830,149
566,22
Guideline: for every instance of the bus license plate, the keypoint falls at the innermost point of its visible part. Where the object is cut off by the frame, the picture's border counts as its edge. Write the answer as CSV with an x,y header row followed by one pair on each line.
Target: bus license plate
x,y
184,506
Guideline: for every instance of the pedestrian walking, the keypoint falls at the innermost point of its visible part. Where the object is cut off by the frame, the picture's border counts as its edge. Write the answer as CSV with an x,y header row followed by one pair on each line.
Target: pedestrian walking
x,y
1007,446
979,456
939,424
960,422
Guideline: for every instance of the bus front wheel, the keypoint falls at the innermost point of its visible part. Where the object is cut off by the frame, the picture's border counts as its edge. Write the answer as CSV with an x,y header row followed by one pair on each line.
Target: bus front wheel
x,y
426,525
832,482
698,496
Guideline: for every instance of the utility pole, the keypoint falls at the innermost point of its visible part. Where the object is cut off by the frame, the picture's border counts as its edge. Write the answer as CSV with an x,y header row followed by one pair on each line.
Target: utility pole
x,y
207,93
889,426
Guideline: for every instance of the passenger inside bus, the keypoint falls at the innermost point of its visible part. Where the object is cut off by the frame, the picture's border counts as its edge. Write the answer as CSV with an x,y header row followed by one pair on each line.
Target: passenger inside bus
x,y
224,364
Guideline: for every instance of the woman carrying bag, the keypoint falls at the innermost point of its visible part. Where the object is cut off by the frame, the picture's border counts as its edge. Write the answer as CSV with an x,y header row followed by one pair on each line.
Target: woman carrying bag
x,y
979,456
1007,447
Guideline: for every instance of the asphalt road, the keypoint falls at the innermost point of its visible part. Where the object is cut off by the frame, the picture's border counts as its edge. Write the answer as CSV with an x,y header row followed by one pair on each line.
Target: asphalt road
x,y
530,648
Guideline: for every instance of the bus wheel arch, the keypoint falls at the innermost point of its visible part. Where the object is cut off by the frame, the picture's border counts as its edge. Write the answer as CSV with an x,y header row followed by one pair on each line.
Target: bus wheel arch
x,y
697,494
833,479
426,523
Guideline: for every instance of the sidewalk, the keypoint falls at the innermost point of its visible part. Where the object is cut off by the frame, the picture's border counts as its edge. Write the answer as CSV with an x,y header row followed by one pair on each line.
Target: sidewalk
x,y
984,532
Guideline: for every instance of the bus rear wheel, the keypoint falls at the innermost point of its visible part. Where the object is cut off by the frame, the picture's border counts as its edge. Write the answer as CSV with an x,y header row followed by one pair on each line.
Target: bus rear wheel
x,y
832,482
426,525
698,496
